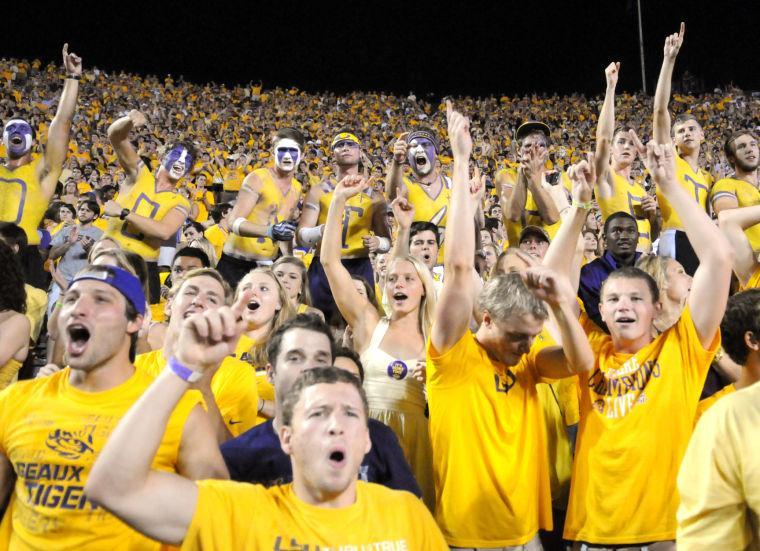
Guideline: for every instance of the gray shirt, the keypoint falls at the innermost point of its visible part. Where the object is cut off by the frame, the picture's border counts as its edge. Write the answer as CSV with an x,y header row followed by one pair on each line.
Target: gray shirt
x,y
75,258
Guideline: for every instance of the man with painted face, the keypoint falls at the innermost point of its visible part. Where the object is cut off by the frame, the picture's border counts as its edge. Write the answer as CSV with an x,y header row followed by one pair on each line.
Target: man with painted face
x,y
149,210
621,234
261,217
688,136
28,182
616,150
426,189
365,225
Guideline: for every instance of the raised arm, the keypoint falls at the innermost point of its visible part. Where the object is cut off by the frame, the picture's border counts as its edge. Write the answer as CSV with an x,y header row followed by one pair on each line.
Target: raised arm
x,y
533,170
355,308
604,130
403,211
456,299
394,180
662,93
118,134
515,204
709,289
58,136
733,222
159,504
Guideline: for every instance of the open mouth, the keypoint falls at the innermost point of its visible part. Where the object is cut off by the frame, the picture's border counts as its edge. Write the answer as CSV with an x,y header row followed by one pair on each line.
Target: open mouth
x,y
399,296
16,139
625,321
79,336
253,305
337,458
420,160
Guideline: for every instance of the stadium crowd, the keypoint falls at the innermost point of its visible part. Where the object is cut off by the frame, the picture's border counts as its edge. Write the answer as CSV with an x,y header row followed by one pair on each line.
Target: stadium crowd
x,y
240,318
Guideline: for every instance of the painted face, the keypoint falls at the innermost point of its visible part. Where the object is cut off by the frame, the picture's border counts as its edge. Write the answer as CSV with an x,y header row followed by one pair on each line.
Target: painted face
x,y
287,154
265,300
178,162
421,156
17,137
425,247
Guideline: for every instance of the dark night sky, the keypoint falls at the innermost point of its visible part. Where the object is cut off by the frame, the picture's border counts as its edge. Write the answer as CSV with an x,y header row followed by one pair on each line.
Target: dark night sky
x,y
470,48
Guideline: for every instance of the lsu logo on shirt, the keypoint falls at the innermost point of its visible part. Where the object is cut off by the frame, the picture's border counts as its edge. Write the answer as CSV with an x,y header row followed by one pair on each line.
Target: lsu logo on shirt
x,y
71,445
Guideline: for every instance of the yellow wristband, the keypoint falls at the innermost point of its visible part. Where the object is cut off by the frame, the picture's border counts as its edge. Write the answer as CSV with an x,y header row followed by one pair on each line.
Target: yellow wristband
x,y
584,206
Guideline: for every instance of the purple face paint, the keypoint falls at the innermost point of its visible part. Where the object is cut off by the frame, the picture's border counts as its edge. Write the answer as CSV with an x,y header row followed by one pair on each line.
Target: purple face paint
x,y
178,162
287,154
17,137
421,156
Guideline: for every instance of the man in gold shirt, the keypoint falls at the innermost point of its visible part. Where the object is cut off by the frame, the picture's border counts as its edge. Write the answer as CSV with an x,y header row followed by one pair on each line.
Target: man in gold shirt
x,y
52,428
719,480
27,180
324,430
486,425
148,210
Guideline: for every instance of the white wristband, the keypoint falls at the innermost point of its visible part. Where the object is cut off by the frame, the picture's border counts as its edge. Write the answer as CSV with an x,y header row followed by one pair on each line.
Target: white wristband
x,y
311,236
236,225
385,244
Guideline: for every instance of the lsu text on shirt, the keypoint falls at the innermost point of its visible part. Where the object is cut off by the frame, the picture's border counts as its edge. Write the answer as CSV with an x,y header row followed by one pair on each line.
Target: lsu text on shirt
x,y
637,415
234,515
52,432
489,447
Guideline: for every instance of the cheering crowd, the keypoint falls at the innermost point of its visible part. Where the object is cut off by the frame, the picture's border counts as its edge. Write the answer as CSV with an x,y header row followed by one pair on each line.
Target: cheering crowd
x,y
237,318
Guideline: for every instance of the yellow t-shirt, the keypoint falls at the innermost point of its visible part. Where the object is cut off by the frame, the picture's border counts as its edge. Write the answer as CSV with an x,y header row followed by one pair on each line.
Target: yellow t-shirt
x,y
357,220
21,199
52,432
637,414
719,480
431,209
202,210
216,236
530,216
709,402
746,195
234,515
697,184
145,200
489,447
754,281
233,179
270,209
36,303
233,387
627,198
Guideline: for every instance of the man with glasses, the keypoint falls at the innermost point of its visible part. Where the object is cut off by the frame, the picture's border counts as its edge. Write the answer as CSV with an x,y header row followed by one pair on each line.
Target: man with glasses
x,y
365,226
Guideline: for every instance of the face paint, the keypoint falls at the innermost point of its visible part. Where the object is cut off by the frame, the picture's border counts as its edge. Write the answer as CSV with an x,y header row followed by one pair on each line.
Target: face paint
x,y
178,162
17,137
421,156
287,154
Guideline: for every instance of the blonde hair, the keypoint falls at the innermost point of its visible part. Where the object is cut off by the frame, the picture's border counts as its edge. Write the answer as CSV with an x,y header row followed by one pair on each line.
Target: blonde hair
x,y
657,267
258,351
427,302
205,245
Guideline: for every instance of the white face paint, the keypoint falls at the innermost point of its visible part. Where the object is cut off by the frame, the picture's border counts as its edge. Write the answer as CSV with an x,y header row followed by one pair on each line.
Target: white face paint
x,y
287,154
421,156
17,137
178,162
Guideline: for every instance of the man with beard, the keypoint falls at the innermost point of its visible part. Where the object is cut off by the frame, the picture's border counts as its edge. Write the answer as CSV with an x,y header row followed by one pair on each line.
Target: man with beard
x,y
365,228
262,214
688,137
620,237
426,188
28,182
615,153
148,210
741,151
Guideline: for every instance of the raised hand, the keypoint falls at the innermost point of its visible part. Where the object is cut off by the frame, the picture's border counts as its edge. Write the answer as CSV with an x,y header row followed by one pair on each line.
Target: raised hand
x,y
403,211
477,186
673,43
533,163
350,185
547,285
459,132
72,63
649,205
399,148
641,149
660,161
611,74
583,176
138,119
371,242
206,338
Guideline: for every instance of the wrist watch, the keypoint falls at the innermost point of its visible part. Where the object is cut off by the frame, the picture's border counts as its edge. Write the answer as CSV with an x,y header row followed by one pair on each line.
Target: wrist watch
x,y
124,213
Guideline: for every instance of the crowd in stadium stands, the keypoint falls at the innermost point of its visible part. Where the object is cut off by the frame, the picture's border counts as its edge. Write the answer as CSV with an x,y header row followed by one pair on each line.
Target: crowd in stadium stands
x,y
243,318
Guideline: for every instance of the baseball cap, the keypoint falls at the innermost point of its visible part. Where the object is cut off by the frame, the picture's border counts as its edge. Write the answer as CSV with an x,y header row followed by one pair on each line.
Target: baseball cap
x,y
529,127
121,280
536,231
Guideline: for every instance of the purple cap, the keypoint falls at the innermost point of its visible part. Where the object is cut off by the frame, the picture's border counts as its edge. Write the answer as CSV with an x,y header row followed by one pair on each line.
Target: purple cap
x,y
121,280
